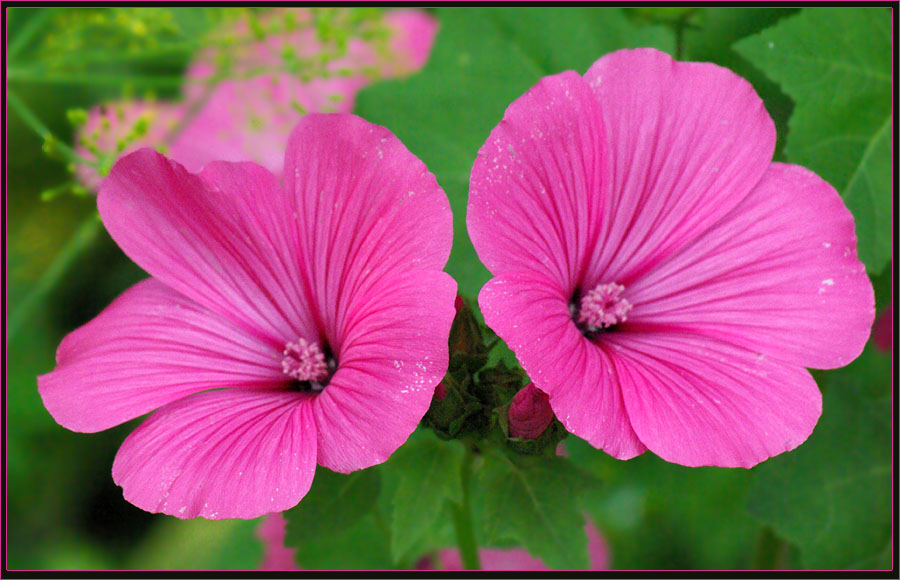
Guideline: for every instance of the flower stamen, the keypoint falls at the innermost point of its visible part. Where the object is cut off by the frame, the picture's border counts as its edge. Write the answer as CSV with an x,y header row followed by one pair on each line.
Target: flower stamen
x,y
602,308
305,362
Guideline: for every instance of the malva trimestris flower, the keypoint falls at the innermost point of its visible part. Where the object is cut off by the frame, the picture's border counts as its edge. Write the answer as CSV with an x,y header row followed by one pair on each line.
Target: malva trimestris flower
x,y
282,326
656,274
249,117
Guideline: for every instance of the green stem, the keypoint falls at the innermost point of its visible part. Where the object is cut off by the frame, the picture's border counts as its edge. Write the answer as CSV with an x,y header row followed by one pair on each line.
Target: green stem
x,y
32,27
47,77
462,519
679,39
36,125
771,553
82,238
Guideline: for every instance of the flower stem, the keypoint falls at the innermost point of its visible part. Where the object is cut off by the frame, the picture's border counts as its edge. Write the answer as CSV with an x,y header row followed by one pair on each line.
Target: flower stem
x,y
679,39
462,519
79,241
23,75
35,124
34,25
771,552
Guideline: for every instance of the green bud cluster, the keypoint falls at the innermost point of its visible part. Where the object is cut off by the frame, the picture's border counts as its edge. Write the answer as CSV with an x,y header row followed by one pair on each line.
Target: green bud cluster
x,y
473,400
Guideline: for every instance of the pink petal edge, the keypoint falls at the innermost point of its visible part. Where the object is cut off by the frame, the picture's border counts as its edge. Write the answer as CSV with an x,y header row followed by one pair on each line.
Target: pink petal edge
x,y
230,453
150,347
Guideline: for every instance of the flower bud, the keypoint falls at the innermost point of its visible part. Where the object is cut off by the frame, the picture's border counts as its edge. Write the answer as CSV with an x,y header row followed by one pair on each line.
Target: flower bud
x,y
529,413
883,330
465,335
440,391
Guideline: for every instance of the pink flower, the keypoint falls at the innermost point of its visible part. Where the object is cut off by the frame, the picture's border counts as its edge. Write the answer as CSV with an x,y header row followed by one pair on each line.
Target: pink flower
x,y
517,558
282,327
655,273
250,118
275,555
529,413
883,331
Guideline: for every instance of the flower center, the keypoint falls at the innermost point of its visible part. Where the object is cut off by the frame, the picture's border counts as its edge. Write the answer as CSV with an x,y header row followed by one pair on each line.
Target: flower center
x,y
305,362
602,307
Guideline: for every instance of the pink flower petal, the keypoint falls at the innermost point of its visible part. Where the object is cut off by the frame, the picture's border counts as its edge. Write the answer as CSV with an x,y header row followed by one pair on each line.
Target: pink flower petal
x,y
150,347
531,313
247,120
250,119
539,181
231,453
225,239
697,401
688,141
392,355
496,559
778,275
365,207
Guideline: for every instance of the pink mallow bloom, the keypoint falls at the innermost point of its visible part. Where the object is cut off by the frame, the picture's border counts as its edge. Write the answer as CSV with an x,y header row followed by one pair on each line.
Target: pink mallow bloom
x,y
656,274
249,117
276,556
282,326
516,559
883,331
529,413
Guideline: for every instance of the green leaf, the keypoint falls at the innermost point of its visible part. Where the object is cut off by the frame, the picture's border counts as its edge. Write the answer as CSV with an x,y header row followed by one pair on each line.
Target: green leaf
x,y
709,38
832,495
334,503
199,544
836,65
482,61
429,476
534,501
362,546
659,515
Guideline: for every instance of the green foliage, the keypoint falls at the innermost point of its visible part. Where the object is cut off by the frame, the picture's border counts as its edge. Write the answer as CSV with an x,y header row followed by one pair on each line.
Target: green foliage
x,y
362,546
710,36
534,501
481,62
836,64
661,515
430,478
199,544
832,495
334,503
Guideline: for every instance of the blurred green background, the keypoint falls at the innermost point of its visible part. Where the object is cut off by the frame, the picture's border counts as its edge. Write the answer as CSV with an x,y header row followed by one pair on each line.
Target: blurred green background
x,y
825,505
